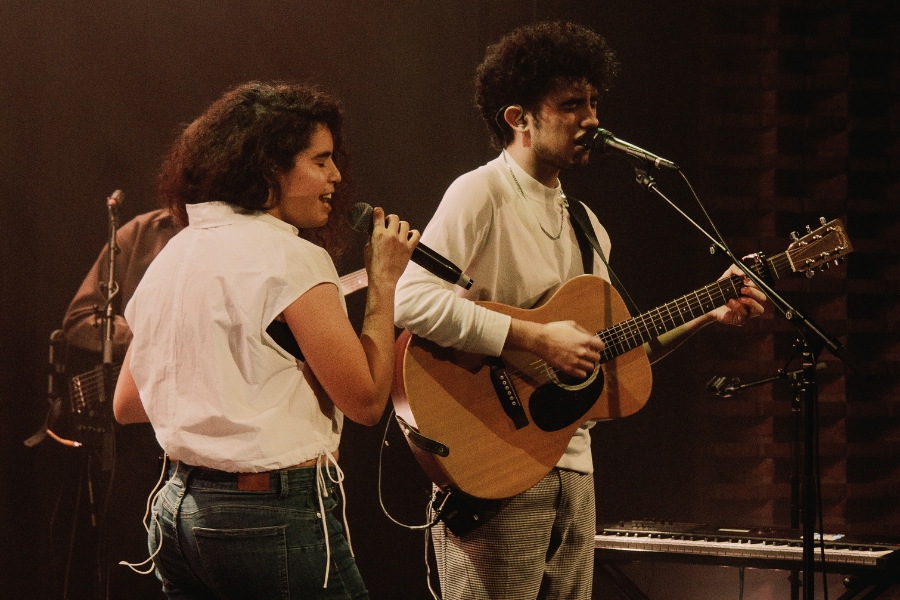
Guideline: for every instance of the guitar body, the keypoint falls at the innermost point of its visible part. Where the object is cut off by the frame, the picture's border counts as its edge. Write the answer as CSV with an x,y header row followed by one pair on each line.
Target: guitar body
x,y
451,397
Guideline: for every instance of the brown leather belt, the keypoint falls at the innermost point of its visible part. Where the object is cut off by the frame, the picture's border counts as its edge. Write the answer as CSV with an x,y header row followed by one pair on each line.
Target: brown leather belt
x,y
254,482
261,482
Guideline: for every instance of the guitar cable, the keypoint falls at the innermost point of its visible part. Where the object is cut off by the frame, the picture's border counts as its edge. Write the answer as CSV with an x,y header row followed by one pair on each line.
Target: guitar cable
x,y
432,515
437,513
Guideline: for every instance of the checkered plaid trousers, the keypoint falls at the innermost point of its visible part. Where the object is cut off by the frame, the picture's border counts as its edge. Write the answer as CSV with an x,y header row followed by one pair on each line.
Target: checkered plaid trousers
x,y
536,545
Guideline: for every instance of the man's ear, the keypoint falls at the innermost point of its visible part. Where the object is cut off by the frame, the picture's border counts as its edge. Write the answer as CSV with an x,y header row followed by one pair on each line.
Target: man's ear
x,y
514,116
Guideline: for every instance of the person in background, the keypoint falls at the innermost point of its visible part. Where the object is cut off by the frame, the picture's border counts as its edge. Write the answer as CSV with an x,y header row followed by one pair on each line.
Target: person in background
x,y
139,241
111,472
506,225
250,425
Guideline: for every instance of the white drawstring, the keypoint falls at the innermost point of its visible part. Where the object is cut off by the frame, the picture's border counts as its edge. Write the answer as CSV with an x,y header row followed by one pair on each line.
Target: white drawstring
x,y
157,490
325,460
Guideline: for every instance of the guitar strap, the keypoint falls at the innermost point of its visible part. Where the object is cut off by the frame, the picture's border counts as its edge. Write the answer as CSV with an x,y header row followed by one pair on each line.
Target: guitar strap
x,y
587,241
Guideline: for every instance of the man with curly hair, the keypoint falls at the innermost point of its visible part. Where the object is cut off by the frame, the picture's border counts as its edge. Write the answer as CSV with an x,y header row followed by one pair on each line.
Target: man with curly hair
x,y
506,224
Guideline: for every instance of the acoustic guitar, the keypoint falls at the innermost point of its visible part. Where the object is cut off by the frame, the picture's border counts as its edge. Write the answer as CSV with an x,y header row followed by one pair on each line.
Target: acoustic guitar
x,y
491,427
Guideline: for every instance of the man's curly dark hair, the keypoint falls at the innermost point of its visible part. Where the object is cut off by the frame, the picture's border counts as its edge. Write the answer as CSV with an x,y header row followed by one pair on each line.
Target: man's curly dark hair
x,y
523,66
233,151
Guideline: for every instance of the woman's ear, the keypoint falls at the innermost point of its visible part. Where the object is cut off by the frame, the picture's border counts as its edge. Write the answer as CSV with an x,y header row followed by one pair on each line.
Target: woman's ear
x,y
273,180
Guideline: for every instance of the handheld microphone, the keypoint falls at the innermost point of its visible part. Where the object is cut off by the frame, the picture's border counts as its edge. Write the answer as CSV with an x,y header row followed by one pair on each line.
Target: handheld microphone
x,y
605,141
360,218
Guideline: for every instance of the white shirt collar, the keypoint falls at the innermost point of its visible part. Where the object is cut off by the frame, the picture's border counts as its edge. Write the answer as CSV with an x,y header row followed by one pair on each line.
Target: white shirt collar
x,y
217,214
533,189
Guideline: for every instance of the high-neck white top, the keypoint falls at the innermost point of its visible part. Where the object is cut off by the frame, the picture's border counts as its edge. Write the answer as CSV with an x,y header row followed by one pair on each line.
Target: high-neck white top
x,y
485,226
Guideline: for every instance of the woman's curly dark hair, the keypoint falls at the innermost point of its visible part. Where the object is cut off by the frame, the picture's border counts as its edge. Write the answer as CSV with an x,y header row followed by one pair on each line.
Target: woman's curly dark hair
x,y
523,66
233,151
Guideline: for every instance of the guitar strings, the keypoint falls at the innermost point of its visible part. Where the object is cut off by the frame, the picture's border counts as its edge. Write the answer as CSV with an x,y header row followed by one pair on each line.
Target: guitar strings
x,y
623,337
89,387
629,334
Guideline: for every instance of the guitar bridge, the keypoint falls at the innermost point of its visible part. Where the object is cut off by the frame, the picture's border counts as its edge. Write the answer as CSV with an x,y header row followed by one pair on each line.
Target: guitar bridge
x,y
506,393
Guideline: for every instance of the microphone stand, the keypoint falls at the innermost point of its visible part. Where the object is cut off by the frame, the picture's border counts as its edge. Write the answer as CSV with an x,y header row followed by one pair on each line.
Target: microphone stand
x,y
108,460
812,341
717,385
112,289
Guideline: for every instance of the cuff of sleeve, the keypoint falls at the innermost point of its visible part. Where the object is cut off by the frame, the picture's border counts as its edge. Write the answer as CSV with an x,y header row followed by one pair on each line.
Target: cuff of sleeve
x,y
491,335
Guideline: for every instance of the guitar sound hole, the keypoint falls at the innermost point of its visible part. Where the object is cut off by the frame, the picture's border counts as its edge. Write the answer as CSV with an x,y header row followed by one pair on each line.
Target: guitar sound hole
x,y
570,380
552,408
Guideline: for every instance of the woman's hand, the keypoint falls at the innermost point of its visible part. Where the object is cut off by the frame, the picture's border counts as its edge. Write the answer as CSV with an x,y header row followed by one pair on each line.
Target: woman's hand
x,y
389,249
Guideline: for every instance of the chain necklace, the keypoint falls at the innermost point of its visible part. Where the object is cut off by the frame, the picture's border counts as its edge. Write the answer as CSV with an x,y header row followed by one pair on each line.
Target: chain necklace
x,y
563,204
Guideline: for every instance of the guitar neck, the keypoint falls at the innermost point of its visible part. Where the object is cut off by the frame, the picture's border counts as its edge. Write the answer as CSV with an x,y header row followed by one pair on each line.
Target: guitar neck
x,y
647,326
354,281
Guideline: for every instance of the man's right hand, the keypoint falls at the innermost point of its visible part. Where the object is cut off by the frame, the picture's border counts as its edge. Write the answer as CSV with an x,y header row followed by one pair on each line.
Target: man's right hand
x,y
564,345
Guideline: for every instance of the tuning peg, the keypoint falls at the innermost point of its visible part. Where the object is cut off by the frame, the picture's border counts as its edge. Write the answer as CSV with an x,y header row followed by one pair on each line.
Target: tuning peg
x,y
808,229
810,273
824,266
838,261
823,221
795,236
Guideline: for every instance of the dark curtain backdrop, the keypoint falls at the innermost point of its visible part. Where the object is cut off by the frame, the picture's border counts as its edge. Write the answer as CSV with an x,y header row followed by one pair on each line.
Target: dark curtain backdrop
x,y
92,92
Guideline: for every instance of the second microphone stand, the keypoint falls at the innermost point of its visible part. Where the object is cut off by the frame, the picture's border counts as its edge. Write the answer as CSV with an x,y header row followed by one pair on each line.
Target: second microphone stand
x,y
798,381
813,341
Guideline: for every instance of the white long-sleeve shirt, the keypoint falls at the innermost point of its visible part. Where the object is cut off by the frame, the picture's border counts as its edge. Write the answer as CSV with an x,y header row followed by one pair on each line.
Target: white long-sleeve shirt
x,y
485,226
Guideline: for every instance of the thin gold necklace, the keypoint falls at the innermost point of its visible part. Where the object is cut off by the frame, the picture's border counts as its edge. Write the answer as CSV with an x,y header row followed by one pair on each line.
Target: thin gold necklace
x,y
563,204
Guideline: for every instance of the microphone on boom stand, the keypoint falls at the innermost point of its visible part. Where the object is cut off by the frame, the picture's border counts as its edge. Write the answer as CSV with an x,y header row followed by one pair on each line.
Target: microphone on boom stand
x,y
604,141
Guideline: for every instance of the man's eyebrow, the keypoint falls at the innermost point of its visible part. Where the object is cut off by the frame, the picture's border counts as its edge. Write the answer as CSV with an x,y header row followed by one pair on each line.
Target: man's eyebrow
x,y
573,100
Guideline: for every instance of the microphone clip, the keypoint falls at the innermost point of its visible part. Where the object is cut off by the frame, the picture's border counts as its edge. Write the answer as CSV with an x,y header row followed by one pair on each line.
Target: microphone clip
x,y
723,387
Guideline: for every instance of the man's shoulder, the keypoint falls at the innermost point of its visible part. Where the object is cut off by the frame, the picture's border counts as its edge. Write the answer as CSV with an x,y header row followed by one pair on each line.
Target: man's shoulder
x,y
156,219
486,172
482,182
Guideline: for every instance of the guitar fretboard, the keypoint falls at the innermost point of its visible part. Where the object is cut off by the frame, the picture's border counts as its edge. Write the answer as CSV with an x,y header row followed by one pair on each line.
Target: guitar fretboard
x,y
647,326
87,391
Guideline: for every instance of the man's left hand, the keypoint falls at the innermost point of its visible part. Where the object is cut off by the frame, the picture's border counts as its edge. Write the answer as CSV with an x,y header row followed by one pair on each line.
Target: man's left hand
x,y
748,305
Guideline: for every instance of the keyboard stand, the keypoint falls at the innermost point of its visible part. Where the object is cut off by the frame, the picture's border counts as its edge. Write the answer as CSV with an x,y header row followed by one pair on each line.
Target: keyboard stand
x,y
876,584
624,585
856,585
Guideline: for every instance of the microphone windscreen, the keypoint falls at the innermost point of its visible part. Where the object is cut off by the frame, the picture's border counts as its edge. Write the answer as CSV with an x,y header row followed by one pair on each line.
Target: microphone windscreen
x,y
360,217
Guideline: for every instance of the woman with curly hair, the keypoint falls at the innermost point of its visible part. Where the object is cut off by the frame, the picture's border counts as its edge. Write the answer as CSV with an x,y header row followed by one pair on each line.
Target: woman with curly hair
x,y
243,358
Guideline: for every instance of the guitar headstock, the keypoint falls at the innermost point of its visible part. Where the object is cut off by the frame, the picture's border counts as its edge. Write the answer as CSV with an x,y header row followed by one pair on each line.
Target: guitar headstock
x,y
818,249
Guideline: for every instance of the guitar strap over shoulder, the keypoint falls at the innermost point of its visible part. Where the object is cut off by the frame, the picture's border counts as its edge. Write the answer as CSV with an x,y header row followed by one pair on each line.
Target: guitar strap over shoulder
x,y
588,243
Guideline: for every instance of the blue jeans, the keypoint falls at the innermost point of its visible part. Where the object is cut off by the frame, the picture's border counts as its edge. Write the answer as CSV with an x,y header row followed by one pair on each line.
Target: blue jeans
x,y
219,542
